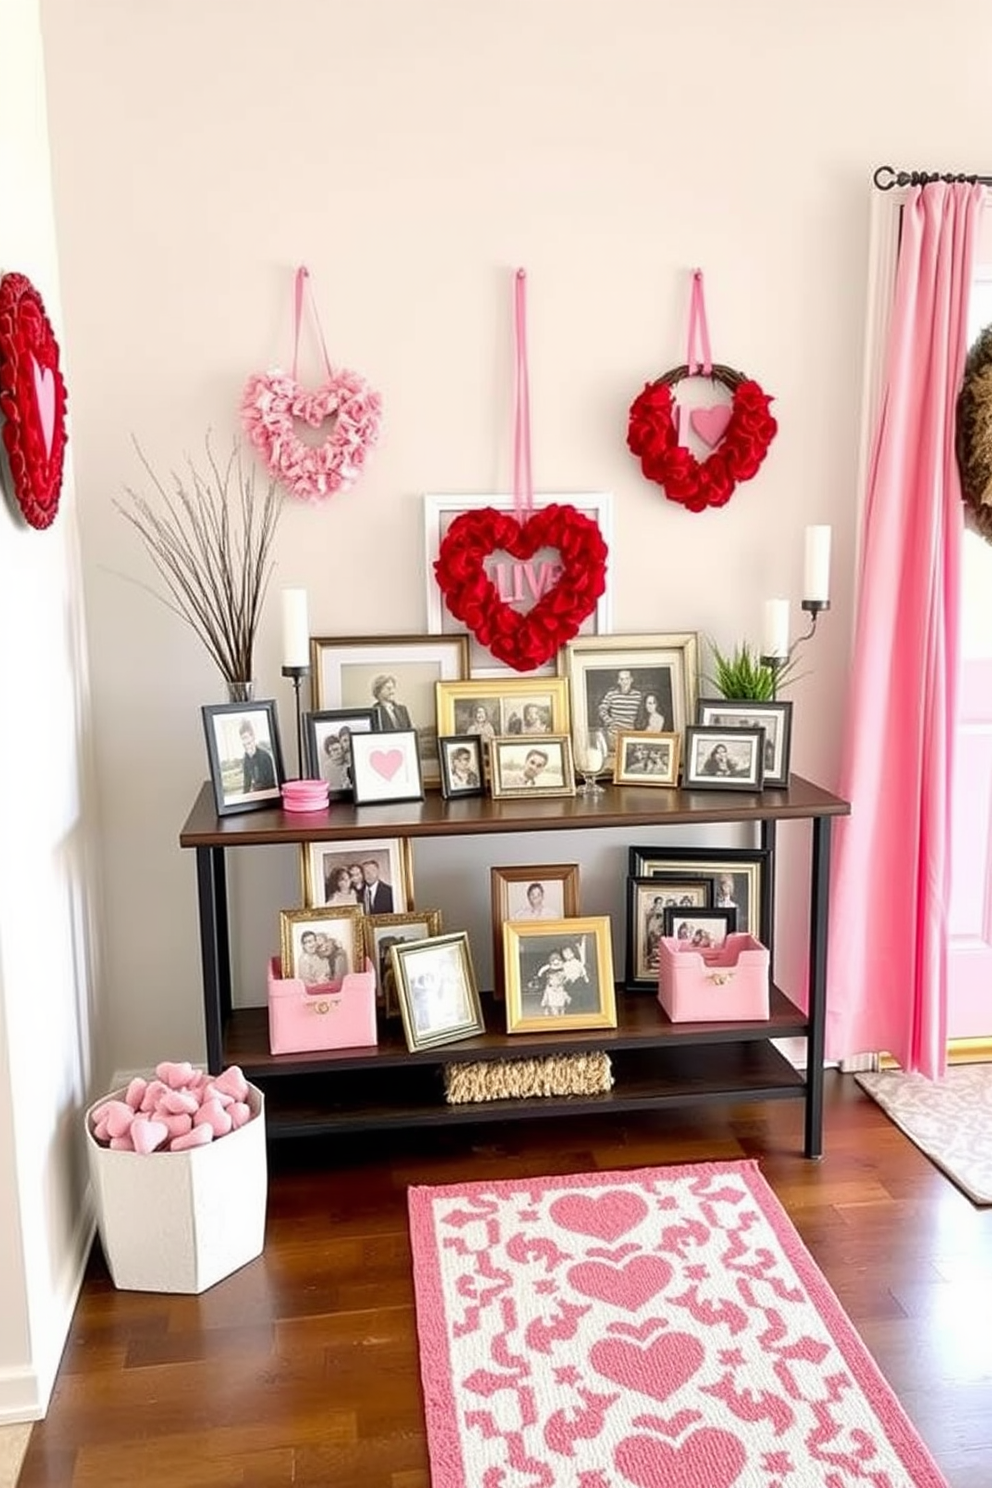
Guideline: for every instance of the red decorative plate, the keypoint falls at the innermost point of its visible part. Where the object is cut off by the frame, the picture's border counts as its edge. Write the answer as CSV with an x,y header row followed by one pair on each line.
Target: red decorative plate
x,y
32,400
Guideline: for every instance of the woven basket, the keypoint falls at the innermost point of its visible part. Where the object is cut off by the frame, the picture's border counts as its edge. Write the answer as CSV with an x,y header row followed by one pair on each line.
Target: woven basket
x,y
522,1079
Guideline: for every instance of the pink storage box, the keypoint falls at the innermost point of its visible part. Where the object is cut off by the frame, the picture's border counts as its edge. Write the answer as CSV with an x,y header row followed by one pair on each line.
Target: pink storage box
x,y
302,1020
713,986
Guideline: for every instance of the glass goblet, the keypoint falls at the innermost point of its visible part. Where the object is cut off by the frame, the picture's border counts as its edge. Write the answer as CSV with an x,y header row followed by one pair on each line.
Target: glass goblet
x,y
591,753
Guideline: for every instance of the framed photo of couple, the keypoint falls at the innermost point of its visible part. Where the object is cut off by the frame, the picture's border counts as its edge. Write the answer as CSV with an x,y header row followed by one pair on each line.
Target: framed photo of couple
x,y
631,683
373,874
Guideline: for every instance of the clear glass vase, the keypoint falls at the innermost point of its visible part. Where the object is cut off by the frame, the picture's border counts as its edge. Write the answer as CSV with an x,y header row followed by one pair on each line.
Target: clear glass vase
x,y
240,692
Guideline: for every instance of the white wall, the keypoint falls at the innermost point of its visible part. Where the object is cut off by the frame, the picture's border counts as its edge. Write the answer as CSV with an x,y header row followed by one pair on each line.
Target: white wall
x,y
412,155
48,1017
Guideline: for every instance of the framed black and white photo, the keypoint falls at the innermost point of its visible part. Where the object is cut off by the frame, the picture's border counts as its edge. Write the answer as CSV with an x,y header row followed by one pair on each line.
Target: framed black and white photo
x,y
559,975
724,758
462,766
511,705
736,878
625,683
520,583
395,676
373,873
386,767
774,717
532,767
529,893
702,929
436,987
246,768
382,932
322,946
648,900
646,759
328,736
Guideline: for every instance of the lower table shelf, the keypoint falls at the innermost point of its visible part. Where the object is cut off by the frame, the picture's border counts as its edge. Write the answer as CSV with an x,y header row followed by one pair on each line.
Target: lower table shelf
x,y
655,1063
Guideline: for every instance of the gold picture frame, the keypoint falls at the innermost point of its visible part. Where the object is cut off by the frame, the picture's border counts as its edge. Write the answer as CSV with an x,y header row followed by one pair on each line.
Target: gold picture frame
x,y
644,758
526,768
515,896
555,966
437,991
383,931
344,926
496,706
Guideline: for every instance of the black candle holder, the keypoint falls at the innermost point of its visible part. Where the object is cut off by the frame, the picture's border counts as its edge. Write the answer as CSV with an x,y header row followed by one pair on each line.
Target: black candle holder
x,y
297,673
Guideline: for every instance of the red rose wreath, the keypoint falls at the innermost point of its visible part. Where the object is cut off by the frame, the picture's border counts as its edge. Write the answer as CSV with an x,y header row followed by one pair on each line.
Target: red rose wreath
x,y
32,400
738,434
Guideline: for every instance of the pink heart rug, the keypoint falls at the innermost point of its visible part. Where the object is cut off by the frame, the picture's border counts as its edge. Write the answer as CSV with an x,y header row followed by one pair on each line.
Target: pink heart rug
x,y
658,1328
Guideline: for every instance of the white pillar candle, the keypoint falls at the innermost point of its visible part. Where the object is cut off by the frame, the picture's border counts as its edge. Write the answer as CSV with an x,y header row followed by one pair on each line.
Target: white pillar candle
x,y
816,583
775,641
295,629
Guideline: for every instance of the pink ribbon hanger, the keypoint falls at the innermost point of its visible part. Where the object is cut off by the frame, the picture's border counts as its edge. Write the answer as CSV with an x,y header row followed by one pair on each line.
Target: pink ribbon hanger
x,y
523,484
303,281
699,335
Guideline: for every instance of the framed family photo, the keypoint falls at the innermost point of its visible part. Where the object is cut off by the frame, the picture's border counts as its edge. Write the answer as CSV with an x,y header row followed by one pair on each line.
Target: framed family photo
x,y
735,878
702,929
383,931
724,758
532,767
438,996
519,584
648,901
395,677
321,946
559,975
632,683
462,765
386,767
774,717
508,705
371,873
246,768
530,893
646,759
328,736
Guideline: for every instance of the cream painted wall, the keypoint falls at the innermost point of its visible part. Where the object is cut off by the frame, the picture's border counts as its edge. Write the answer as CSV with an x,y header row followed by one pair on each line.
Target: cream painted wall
x,y
412,154
49,1019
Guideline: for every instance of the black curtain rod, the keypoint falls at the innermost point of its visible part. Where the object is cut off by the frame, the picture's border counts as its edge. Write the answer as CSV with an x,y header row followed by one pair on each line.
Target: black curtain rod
x,y
885,178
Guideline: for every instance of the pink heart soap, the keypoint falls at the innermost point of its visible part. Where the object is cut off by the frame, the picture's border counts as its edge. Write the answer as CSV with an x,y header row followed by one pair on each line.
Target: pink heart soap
x,y
232,1082
147,1134
135,1093
180,1100
198,1137
175,1075
240,1113
119,1118
213,1114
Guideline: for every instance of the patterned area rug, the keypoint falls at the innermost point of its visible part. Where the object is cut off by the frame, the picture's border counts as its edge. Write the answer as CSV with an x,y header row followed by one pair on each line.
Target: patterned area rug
x,y
661,1328
949,1119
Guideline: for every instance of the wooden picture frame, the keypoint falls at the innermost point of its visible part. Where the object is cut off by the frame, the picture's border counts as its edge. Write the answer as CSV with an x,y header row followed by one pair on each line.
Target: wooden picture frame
x,y
245,754
321,861
737,876
386,767
531,893
355,672
703,929
647,900
775,717
437,991
462,765
559,975
488,709
529,768
644,758
723,758
383,931
343,927
328,746
613,678
516,581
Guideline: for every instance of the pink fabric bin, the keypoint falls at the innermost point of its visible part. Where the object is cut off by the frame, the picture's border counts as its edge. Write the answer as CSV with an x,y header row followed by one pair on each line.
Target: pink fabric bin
x,y
303,1020
713,986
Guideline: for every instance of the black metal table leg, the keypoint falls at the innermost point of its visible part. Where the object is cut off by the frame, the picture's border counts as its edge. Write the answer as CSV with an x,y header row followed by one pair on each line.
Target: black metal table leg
x,y
767,928
215,954
817,1010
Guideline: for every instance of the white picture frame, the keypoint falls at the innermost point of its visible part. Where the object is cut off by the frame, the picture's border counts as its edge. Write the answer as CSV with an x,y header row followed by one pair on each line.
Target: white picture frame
x,y
439,513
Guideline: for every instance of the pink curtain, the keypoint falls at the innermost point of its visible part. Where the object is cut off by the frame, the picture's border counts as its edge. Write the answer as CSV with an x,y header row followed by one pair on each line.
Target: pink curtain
x,y
887,948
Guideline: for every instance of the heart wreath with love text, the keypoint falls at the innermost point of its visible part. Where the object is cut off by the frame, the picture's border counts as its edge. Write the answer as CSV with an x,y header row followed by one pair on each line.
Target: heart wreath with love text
x,y
739,435
32,400
274,401
522,641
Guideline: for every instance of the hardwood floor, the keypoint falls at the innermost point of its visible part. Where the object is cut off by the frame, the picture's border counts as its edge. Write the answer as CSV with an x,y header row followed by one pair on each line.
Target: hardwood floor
x,y
302,1368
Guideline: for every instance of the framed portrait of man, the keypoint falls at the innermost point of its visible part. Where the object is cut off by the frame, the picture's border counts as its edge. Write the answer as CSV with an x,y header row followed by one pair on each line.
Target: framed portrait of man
x,y
245,754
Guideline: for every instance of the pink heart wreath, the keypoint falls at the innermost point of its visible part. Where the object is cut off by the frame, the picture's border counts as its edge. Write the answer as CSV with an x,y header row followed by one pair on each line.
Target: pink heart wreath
x,y
271,403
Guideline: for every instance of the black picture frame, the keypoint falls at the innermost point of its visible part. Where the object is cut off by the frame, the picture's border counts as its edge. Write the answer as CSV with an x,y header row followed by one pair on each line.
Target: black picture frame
x,y
774,716
224,725
319,728
450,747
747,870
740,767
645,922
695,922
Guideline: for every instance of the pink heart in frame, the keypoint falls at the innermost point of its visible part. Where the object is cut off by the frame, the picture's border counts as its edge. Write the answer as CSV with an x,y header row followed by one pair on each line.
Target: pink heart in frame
x,y
386,762
711,423
44,392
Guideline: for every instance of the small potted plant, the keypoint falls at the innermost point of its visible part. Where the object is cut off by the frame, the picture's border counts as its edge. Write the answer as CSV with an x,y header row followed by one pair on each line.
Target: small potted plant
x,y
743,674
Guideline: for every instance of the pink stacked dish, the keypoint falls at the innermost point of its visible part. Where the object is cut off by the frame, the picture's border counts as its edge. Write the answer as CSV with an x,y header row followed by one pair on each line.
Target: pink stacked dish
x,y
304,795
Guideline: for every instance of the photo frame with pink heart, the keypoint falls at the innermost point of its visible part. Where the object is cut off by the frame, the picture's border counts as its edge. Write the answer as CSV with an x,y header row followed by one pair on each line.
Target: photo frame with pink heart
x,y
386,767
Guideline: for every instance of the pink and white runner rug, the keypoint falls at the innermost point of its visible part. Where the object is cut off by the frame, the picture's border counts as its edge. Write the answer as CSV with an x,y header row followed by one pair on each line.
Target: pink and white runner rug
x,y
662,1328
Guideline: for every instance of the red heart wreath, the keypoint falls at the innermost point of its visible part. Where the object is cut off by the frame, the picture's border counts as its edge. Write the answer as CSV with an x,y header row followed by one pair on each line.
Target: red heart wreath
x,y
652,435
522,641
32,400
